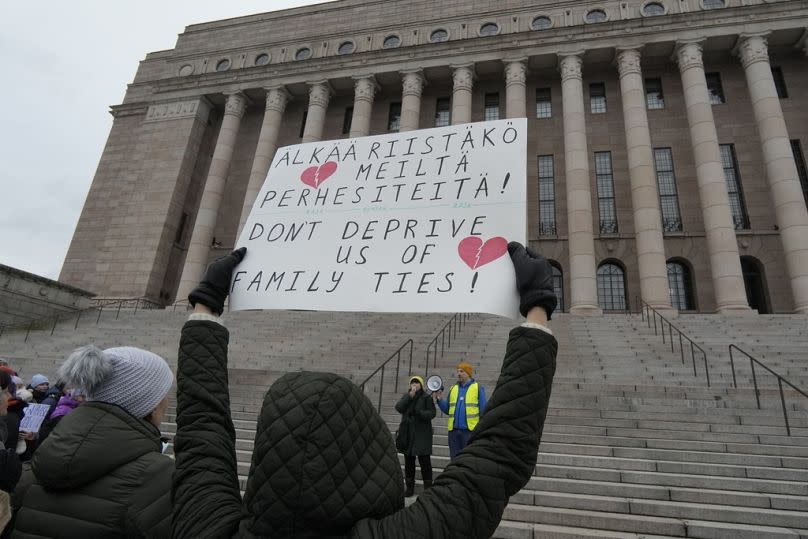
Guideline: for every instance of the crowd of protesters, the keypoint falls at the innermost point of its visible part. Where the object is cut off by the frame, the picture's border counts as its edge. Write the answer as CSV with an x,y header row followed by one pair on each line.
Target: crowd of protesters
x,y
324,462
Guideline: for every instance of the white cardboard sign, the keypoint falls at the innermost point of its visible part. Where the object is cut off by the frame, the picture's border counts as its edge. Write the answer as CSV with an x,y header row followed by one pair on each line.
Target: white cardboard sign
x,y
404,222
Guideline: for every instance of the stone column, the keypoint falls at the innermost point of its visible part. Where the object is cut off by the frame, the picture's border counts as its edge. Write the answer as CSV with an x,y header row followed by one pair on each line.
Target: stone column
x,y
781,170
277,97
364,89
515,98
319,94
463,78
199,247
644,195
725,262
583,284
413,83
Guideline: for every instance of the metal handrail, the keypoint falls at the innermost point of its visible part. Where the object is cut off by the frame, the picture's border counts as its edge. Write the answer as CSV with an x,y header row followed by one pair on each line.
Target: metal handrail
x,y
397,355
780,380
648,314
454,325
29,326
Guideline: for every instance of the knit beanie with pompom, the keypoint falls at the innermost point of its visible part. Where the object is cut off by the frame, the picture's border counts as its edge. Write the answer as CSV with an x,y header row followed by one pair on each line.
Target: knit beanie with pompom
x,y
134,379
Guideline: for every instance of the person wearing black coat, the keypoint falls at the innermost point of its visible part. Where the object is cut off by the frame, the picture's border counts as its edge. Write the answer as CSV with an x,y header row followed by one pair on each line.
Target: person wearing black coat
x,y
417,411
324,462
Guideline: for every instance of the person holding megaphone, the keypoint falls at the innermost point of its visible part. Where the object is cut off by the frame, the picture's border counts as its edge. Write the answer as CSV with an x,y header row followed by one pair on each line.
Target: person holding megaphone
x,y
414,435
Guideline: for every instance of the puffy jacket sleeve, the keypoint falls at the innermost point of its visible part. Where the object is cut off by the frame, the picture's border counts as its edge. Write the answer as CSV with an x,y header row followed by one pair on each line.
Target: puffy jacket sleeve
x,y
426,408
206,497
467,500
403,403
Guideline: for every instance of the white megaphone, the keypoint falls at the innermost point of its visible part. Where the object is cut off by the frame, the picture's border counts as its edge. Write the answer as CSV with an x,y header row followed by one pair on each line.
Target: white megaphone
x,y
434,383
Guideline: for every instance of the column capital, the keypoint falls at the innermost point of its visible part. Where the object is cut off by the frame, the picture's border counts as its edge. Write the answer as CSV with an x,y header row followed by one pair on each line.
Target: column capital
x,y
365,87
688,54
570,65
752,48
463,76
629,61
515,71
413,82
320,93
277,97
236,103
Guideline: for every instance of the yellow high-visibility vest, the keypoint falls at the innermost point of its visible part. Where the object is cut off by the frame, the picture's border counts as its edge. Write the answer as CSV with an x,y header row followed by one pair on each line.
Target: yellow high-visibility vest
x,y
472,405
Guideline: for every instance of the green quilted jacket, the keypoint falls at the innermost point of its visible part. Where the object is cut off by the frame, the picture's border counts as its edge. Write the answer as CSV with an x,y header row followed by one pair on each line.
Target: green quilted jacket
x,y
100,473
324,462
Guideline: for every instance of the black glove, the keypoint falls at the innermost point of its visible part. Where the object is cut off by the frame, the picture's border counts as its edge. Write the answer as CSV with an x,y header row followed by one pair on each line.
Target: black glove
x,y
215,286
534,279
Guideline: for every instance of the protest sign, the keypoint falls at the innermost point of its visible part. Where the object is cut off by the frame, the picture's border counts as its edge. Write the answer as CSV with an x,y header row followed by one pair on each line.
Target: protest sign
x,y
34,416
403,222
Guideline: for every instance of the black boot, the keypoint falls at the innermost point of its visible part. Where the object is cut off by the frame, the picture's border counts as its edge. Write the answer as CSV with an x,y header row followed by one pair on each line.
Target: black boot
x,y
410,484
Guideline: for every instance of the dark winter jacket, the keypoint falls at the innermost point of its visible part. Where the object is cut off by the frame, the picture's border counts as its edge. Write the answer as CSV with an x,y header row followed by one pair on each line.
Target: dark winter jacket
x,y
99,474
324,462
416,422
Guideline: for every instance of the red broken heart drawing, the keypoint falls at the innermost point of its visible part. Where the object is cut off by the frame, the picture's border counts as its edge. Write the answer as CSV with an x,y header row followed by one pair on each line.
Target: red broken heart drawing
x,y
315,176
475,253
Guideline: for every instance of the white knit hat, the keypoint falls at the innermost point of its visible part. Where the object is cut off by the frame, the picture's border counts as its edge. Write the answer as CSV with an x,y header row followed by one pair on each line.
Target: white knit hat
x,y
134,379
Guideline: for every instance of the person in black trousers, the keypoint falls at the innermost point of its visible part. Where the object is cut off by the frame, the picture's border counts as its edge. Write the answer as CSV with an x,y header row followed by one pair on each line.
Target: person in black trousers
x,y
414,437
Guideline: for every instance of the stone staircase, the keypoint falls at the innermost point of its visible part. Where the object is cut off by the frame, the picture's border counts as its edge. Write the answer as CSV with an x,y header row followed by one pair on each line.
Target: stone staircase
x,y
635,444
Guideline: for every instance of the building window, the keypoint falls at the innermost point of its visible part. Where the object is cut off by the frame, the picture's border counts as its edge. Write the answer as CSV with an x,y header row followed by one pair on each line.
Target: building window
x,y
541,23
181,230
605,182
680,286
439,35
223,65
394,119
558,285
547,217
712,4
391,42
491,107
596,15
715,88
779,82
489,29
346,121
653,94
668,197
611,287
303,53
443,112
346,47
739,217
652,9
799,160
597,97
544,103
303,123
262,59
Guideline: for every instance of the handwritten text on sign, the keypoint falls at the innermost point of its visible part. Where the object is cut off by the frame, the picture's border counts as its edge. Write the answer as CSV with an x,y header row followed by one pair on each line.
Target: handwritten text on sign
x,y
405,222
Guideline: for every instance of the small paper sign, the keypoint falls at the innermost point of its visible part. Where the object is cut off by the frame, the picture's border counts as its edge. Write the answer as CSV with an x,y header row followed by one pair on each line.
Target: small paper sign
x,y
406,222
34,416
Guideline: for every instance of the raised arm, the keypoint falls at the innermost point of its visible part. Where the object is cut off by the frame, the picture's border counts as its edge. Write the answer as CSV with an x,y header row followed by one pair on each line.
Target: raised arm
x,y
205,492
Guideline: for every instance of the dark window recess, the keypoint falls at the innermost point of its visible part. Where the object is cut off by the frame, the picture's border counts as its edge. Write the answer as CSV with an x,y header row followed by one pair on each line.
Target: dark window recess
x,y
611,281
547,215
668,196
391,42
653,94
558,286
541,23
715,88
346,121
653,9
597,98
544,103
303,123
181,229
605,183
394,120
443,112
779,82
438,36
713,4
491,107
736,201
489,29
802,172
680,286
596,15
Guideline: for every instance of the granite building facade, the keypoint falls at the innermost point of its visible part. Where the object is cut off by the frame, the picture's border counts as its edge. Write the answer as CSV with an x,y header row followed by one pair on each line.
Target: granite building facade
x,y
666,152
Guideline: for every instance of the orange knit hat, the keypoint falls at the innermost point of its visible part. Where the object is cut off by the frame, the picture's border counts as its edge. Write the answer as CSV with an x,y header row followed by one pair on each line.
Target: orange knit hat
x,y
466,367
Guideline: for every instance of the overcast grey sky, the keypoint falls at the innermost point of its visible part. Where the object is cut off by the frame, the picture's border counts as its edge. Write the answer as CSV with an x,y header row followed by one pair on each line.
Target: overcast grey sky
x,y
63,64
